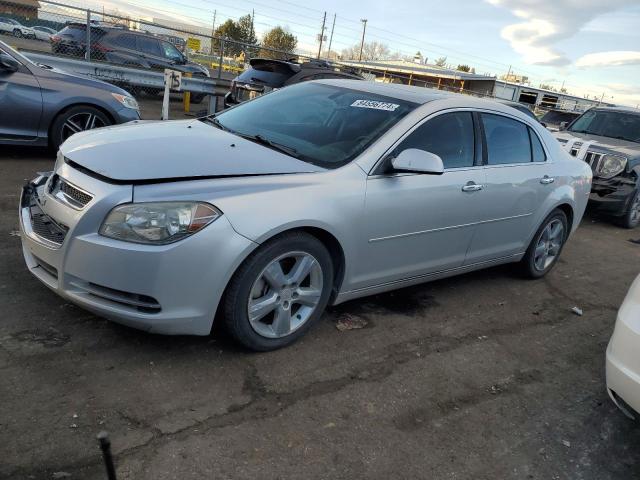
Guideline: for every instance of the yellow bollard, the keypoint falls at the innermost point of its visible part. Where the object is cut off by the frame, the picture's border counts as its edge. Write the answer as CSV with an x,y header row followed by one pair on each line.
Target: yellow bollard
x,y
186,97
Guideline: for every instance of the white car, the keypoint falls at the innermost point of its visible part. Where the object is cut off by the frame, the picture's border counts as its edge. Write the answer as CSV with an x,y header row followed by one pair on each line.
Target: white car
x,y
15,28
43,33
623,355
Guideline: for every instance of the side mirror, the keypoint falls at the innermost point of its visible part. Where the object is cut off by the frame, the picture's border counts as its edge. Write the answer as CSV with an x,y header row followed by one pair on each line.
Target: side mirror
x,y
563,126
8,63
414,160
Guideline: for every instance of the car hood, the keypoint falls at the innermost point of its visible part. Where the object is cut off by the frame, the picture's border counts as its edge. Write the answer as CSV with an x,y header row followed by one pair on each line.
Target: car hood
x,y
146,152
625,147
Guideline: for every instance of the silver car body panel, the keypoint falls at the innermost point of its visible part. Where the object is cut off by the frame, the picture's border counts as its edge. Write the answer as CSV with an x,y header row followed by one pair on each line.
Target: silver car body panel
x,y
394,230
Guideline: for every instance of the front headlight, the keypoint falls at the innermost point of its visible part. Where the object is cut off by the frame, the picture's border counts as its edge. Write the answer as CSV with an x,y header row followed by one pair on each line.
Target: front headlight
x,y
610,166
126,100
157,223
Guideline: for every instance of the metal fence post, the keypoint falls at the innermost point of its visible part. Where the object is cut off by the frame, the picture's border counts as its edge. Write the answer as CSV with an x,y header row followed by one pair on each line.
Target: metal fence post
x,y
87,53
221,57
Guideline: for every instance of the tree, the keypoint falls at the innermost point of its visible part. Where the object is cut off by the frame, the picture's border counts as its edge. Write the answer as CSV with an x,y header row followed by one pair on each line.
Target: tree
x,y
463,68
247,34
441,62
278,39
231,31
371,51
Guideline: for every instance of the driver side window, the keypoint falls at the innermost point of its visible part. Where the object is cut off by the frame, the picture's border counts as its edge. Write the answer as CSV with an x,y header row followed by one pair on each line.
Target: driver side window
x,y
450,136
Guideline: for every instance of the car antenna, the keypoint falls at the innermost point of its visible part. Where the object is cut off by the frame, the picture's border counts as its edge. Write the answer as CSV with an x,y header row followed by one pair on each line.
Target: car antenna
x,y
105,446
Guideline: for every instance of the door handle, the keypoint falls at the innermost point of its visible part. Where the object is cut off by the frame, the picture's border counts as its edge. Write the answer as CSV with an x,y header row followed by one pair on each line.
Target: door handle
x,y
472,187
546,180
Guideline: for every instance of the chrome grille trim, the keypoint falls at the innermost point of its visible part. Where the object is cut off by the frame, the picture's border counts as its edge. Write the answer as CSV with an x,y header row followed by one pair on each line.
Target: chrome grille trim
x,y
136,301
68,193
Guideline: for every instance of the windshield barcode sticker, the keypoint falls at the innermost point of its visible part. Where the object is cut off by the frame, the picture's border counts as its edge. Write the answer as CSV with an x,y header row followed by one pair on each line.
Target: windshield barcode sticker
x,y
389,107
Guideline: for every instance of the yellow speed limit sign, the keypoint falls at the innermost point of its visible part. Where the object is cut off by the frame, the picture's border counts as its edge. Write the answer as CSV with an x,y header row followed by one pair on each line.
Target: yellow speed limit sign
x,y
193,44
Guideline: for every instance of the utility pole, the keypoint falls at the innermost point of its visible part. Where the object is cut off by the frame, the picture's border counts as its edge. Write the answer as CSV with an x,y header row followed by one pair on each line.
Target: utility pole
x,y
364,29
324,19
331,37
213,31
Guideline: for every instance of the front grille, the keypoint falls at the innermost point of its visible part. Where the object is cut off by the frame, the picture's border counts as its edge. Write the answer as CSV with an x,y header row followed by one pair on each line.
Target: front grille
x,y
42,224
142,303
68,193
592,158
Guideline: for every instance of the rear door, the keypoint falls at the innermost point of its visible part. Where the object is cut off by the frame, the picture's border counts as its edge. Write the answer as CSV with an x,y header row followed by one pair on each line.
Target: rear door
x,y
518,181
20,103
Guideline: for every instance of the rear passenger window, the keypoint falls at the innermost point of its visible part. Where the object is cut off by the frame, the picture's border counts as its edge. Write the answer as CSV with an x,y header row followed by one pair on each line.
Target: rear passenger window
x,y
149,46
450,136
507,140
536,148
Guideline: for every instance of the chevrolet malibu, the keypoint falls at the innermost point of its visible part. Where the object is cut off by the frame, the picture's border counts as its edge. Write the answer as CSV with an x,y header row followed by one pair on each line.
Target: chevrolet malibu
x,y
315,194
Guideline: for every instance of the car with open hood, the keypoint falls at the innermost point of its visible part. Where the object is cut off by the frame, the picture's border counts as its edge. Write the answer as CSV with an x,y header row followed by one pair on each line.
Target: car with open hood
x,y
608,139
315,194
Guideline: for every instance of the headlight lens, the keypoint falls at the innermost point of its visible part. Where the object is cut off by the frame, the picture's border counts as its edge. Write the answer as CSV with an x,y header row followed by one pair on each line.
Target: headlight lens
x,y
610,166
157,223
126,100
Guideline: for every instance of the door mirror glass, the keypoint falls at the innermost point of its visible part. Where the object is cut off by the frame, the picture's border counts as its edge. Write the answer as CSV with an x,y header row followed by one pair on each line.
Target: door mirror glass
x,y
563,125
418,161
8,63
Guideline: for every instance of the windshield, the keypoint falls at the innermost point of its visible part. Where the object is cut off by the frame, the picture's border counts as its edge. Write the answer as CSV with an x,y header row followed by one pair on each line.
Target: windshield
x,y
322,124
620,125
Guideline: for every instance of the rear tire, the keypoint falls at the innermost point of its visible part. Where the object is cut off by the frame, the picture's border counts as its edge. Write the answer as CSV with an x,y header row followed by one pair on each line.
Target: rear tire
x,y
74,120
279,292
631,219
546,246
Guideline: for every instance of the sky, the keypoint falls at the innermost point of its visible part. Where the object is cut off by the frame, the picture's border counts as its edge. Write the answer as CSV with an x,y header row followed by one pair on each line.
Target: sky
x,y
590,46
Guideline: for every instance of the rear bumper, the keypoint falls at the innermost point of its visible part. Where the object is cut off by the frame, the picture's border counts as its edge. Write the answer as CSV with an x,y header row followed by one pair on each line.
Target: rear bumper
x,y
168,289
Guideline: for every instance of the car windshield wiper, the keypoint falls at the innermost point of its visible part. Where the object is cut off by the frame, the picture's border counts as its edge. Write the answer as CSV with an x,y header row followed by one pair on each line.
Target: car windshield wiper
x,y
216,123
269,143
620,137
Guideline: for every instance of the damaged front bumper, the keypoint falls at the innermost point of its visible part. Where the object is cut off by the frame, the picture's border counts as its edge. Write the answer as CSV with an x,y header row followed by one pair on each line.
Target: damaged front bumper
x,y
612,196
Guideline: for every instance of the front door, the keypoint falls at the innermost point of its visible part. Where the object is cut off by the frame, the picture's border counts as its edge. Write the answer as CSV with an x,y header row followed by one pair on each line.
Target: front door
x,y
20,103
418,223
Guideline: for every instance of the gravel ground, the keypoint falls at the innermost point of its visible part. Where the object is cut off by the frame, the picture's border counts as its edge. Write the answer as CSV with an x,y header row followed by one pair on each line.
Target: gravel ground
x,y
483,376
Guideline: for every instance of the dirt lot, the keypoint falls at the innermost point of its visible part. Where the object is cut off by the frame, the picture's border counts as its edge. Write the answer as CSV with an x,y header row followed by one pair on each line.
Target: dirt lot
x,y
484,376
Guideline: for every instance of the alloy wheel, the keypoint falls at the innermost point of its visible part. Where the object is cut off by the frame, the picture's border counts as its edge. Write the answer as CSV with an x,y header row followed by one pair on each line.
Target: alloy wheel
x,y
285,294
79,123
548,245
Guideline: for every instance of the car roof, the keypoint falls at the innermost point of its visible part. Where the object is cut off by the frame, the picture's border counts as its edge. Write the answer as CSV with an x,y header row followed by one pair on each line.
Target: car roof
x,y
618,108
420,95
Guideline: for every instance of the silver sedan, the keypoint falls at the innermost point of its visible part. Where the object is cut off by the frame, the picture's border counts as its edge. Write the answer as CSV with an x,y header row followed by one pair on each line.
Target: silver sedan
x,y
312,195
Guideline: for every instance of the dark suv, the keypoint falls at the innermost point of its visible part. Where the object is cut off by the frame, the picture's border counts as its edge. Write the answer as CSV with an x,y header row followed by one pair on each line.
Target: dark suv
x,y
608,139
122,46
264,75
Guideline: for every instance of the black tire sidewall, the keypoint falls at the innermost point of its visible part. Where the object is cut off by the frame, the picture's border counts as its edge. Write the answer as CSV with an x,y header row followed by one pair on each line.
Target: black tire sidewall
x,y
237,294
528,261
56,126
626,219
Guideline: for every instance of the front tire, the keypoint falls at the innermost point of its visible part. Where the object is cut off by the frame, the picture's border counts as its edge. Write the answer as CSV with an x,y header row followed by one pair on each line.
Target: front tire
x,y
631,219
76,119
279,292
547,243
17,33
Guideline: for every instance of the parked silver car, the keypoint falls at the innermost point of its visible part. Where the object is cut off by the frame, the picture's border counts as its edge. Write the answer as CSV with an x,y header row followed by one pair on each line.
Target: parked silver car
x,y
315,194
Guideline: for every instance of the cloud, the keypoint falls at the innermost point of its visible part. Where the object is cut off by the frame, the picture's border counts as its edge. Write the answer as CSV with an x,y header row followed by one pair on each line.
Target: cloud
x,y
609,59
545,22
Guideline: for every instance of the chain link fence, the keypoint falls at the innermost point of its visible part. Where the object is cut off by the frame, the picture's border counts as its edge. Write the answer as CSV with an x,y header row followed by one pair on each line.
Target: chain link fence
x,y
49,29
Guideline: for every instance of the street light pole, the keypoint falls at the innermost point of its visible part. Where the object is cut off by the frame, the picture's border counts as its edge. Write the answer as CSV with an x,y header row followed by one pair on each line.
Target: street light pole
x,y
364,29
331,37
